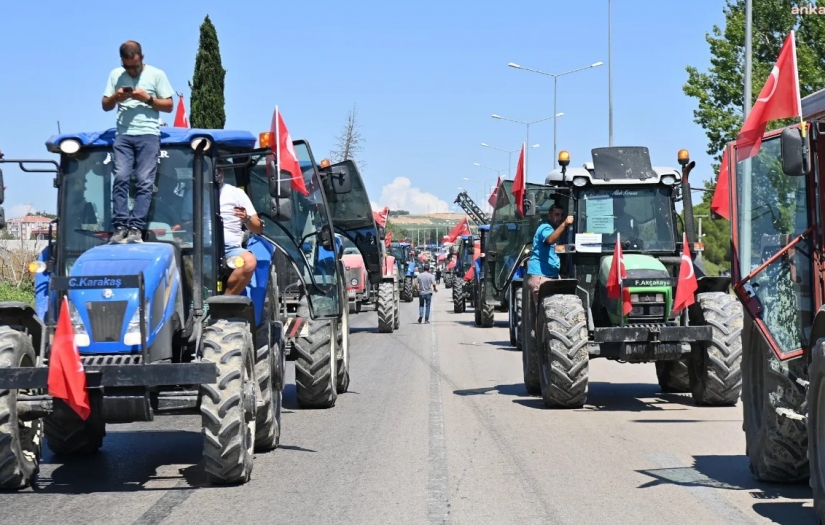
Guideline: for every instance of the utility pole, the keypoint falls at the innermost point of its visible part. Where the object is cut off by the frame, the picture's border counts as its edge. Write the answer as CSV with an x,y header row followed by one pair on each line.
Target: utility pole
x,y
746,202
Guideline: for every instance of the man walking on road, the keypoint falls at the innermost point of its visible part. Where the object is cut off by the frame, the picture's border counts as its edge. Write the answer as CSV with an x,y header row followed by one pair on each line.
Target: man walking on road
x,y
426,287
140,92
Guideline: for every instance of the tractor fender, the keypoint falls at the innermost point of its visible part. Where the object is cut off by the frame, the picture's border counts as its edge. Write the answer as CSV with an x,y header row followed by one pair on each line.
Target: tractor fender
x,y
817,329
17,314
557,287
713,283
226,307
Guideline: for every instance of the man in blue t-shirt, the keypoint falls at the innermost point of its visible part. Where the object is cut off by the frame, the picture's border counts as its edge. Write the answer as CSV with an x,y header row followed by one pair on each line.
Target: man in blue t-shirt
x,y
544,263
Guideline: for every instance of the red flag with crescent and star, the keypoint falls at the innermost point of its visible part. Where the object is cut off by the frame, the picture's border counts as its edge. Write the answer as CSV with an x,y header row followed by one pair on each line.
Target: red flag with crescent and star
x,y
687,285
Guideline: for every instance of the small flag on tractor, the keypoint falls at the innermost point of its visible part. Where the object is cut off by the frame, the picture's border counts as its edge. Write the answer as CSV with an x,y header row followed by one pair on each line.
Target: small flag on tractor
x,y
687,285
67,378
615,277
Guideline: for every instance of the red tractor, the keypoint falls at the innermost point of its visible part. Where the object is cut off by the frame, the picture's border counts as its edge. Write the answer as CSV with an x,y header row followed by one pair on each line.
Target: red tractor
x,y
778,249
355,272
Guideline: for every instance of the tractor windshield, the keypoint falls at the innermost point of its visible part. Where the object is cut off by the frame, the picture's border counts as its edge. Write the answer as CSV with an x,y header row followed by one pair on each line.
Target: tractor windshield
x,y
642,215
86,199
769,213
299,236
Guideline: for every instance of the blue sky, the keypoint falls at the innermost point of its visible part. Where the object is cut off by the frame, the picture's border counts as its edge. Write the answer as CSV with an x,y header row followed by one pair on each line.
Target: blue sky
x,y
426,77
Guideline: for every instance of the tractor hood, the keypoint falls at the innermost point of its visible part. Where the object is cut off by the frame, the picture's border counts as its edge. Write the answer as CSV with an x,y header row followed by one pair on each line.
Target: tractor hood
x,y
352,260
637,267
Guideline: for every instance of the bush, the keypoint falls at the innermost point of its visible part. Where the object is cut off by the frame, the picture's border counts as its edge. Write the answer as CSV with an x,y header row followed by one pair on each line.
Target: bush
x,y
23,293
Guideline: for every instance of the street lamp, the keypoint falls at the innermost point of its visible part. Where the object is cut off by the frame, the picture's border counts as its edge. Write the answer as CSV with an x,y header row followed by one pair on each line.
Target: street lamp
x,y
527,125
509,155
555,92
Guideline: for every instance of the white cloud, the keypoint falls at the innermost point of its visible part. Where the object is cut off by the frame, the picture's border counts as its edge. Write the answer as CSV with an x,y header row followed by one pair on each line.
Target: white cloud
x,y
375,206
400,195
18,210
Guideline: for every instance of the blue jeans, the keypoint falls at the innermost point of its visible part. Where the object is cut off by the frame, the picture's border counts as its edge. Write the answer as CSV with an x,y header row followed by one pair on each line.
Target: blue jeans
x,y
138,152
424,300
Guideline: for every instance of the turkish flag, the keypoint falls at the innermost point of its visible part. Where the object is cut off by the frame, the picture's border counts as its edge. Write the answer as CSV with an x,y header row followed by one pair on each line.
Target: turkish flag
x,y
492,200
470,273
778,99
721,195
388,239
462,228
180,115
287,158
381,216
451,264
615,276
67,379
687,285
519,185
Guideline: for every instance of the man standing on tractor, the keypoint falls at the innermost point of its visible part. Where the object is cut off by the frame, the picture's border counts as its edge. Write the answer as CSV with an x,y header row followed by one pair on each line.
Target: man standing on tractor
x,y
237,211
140,92
426,287
544,263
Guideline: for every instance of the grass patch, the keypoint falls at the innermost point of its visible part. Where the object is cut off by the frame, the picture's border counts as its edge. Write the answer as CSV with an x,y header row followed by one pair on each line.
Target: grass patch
x,y
24,293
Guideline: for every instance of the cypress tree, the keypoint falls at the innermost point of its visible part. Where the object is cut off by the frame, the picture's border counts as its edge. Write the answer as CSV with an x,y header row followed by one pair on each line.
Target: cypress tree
x,y
207,100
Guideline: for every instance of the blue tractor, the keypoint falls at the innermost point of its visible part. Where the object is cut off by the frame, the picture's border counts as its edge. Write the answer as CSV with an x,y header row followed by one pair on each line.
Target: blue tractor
x,y
464,290
402,251
155,333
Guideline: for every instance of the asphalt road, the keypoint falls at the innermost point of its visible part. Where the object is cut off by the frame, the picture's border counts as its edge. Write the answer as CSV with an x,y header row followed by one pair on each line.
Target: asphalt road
x,y
436,428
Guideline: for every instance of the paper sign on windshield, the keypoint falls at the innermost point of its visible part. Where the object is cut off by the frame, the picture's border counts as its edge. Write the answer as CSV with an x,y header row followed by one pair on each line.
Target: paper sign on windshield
x,y
600,215
589,242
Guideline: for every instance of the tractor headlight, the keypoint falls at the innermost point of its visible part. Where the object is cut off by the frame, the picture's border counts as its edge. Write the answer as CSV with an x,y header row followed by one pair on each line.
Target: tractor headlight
x,y
354,282
36,267
195,142
132,337
70,146
668,180
579,181
81,336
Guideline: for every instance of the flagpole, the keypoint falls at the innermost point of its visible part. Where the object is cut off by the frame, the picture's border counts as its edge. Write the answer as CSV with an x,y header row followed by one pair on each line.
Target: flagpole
x,y
619,264
278,148
746,202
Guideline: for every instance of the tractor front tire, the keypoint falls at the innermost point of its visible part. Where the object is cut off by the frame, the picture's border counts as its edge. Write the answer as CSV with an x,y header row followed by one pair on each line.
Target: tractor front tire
x,y
459,297
530,350
386,308
816,427
487,311
673,376
396,306
68,435
229,407
564,359
715,366
773,410
315,375
342,365
407,292
19,440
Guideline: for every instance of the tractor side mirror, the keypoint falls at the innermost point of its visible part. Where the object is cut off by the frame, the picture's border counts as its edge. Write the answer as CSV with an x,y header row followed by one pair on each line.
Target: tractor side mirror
x,y
795,160
326,238
280,209
341,180
529,204
278,190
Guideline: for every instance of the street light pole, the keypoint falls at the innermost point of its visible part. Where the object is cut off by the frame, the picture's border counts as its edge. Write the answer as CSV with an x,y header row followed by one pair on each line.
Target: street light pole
x,y
527,124
555,91
610,78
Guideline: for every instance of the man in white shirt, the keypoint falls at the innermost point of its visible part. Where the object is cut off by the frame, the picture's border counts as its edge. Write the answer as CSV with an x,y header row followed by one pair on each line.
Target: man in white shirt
x,y
237,210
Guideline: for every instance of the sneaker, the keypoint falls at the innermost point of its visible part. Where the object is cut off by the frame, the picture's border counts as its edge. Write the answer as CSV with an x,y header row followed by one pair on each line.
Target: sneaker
x,y
427,321
134,235
119,237
419,320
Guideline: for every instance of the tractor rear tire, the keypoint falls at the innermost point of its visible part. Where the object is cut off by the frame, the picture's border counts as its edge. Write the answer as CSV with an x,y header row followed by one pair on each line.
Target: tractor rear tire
x,y
19,440
459,297
511,318
68,435
673,376
229,407
386,308
715,366
487,311
816,434
342,366
565,361
315,375
448,282
773,409
407,292
268,358
396,307
530,351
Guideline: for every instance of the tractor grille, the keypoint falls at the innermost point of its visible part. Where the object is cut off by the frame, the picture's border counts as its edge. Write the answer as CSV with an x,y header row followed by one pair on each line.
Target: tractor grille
x,y
106,318
353,273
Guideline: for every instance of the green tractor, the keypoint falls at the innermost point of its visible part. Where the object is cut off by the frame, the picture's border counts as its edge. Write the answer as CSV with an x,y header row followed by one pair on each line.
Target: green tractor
x,y
620,195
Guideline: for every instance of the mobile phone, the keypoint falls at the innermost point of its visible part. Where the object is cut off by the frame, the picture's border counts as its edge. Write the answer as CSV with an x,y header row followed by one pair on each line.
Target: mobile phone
x,y
127,89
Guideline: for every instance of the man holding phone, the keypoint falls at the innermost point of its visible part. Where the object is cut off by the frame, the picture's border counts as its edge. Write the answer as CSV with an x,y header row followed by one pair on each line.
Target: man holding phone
x,y
237,211
140,92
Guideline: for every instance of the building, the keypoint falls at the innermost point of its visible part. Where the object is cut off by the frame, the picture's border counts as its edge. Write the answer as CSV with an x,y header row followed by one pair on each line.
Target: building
x,y
28,227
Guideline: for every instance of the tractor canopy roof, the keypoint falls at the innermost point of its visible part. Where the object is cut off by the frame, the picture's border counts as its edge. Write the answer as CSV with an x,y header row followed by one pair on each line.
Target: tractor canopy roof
x,y
168,136
616,166
484,227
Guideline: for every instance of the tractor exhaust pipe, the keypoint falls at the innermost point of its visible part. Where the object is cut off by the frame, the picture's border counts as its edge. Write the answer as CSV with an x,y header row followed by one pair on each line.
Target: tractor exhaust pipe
x,y
687,198
197,231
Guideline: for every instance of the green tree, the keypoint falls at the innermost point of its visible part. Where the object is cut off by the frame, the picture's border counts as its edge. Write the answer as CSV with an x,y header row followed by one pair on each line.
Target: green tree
x,y
207,86
398,232
719,93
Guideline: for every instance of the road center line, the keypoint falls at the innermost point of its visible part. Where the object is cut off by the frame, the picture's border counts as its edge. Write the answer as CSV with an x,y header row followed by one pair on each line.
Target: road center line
x,y
438,495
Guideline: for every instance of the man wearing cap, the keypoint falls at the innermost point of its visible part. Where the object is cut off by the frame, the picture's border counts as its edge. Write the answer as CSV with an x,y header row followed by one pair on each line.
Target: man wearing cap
x,y
426,287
